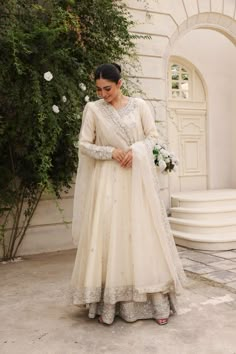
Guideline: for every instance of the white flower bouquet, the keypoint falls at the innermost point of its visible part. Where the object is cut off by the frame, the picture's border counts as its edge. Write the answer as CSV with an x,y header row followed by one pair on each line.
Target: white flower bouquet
x,y
164,159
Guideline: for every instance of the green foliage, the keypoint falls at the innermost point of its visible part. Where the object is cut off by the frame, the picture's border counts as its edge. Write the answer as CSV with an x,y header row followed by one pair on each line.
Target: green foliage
x,y
68,38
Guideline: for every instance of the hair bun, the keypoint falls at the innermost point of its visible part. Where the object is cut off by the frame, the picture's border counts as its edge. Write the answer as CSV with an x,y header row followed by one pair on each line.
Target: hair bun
x,y
118,67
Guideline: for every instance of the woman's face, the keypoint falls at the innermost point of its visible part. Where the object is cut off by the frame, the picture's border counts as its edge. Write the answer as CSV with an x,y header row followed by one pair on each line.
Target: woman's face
x,y
108,90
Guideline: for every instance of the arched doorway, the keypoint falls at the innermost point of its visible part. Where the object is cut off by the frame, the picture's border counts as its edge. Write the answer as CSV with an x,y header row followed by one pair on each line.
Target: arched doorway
x,y
213,56
187,126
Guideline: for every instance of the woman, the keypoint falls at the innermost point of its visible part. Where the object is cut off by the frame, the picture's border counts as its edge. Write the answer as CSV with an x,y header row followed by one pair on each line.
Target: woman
x,y
126,263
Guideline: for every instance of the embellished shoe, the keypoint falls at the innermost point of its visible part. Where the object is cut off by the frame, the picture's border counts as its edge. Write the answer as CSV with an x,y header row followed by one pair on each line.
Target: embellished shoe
x,y
162,321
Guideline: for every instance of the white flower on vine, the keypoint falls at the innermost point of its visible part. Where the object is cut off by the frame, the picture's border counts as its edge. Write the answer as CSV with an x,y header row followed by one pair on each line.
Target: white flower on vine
x,y
82,86
48,76
55,109
64,99
86,98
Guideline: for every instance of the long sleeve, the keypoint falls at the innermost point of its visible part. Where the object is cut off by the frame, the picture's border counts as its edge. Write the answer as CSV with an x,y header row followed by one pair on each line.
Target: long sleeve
x,y
149,126
88,136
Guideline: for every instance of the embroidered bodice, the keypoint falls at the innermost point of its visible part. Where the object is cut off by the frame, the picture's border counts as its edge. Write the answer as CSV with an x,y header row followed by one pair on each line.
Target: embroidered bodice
x,y
133,122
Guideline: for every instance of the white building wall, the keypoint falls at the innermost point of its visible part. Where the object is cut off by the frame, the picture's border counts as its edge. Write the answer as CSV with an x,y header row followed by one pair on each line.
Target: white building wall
x,y
165,21
233,162
214,56
50,227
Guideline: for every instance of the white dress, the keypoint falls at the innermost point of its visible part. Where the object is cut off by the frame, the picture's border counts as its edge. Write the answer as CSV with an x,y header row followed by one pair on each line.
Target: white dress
x,y
126,262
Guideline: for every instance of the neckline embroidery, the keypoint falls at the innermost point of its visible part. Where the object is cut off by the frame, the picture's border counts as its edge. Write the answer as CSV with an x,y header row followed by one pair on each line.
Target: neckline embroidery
x,y
123,111
115,117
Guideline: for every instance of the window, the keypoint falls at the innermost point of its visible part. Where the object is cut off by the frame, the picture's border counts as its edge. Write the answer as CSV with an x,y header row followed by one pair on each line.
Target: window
x,y
179,82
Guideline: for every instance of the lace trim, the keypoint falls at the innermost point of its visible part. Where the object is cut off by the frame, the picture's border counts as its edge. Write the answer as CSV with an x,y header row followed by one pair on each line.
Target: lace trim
x,y
97,152
115,116
116,294
156,306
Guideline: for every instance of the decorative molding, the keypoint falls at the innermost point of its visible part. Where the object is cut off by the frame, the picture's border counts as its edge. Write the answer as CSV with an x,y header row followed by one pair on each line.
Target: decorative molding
x,y
150,34
195,145
150,56
195,112
185,9
198,7
191,125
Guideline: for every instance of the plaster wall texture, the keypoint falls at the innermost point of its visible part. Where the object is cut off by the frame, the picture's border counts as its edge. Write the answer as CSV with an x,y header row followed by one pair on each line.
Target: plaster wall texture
x,y
234,144
165,21
50,227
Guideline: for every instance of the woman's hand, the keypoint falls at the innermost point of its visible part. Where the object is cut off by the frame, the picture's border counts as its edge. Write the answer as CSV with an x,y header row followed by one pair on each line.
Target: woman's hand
x,y
127,160
118,155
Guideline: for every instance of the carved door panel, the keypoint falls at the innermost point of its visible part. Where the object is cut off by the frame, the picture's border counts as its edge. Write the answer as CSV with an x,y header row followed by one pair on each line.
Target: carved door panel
x,y
187,128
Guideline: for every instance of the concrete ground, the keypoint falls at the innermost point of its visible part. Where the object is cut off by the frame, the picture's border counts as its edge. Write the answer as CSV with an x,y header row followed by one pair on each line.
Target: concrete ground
x,y
36,319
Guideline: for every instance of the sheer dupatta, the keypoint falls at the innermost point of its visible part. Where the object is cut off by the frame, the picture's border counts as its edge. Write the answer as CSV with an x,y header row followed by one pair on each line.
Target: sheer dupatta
x,y
150,228
82,182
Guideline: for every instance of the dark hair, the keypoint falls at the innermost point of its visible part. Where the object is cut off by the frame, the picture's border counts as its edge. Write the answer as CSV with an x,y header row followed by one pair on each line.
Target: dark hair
x,y
110,72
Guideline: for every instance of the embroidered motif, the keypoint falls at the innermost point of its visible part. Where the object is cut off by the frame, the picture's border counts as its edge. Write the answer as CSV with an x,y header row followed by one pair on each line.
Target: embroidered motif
x,y
124,111
117,117
97,152
112,295
156,305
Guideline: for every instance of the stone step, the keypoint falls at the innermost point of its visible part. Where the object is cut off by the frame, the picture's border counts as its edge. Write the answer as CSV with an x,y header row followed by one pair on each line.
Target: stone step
x,y
205,226
205,199
211,242
210,213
